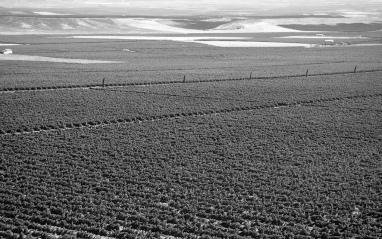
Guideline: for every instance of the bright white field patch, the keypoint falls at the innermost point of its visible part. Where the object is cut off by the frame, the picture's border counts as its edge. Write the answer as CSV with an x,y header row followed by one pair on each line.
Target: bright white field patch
x,y
254,44
323,37
50,14
154,38
15,57
219,41
8,44
17,12
366,44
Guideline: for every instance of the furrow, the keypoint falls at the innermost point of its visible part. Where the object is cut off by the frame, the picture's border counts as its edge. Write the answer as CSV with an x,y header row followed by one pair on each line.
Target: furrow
x,y
171,116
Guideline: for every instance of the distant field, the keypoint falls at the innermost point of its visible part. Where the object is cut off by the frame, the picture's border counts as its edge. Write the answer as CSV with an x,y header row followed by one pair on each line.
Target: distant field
x,y
286,155
169,61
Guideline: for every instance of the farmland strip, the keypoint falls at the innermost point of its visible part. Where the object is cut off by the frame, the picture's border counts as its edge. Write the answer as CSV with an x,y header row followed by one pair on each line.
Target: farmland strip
x,y
175,95
349,108
139,119
38,88
177,69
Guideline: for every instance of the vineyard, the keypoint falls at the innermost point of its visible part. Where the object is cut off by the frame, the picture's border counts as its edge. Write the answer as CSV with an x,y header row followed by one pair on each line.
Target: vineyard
x,y
221,154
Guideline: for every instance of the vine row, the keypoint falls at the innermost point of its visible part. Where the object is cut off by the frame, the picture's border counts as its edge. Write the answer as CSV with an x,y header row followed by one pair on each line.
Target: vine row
x,y
92,124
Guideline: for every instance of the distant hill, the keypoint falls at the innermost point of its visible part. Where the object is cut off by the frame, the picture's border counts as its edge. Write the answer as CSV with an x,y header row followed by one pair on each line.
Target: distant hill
x,y
57,24
17,22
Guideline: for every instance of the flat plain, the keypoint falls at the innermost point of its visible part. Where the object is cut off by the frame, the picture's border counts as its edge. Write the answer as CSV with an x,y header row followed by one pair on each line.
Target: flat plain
x,y
188,140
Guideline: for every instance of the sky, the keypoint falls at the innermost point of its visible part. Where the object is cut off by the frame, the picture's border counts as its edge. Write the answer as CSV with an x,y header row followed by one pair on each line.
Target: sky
x,y
175,3
198,5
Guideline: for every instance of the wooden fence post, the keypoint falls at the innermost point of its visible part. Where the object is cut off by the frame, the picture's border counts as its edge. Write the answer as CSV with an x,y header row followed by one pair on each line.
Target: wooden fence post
x,y
103,82
184,79
250,76
355,69
306,74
